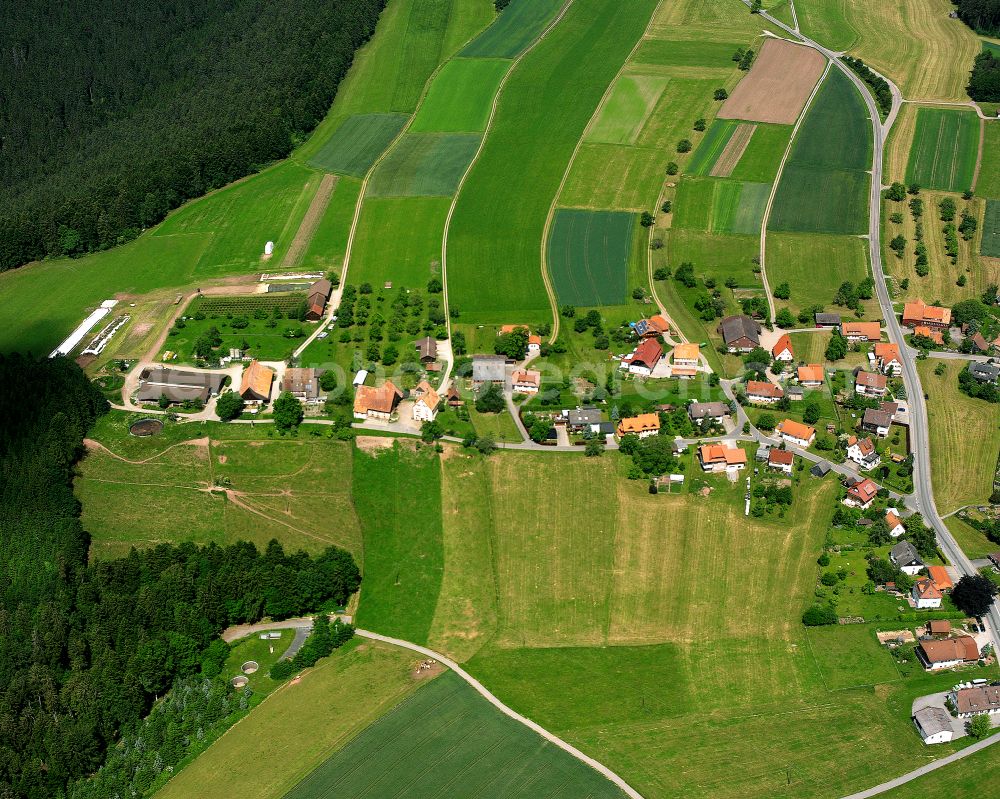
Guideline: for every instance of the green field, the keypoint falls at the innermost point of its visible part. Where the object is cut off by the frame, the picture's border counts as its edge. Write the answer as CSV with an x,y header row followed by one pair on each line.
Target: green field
x,y
713,205
826,22
519,24
760,160
944,150
399,239
991,230
988,183
460,96
687,53
850,658
494,268
711,146
424,164
466,748
358,143
626,109
397,493
814,266
976,775
326,250
152,490
588,255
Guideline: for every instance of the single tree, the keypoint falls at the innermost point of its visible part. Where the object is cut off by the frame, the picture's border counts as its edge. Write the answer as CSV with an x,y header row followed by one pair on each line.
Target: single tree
x,y
973,594
594,447
979,726
490,399
783,291
684,146
646,219
431,431
229,406
287,411
720,94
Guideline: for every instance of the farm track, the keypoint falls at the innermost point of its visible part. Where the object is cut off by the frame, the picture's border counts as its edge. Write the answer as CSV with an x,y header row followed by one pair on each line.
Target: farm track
x,y
307,228
733,151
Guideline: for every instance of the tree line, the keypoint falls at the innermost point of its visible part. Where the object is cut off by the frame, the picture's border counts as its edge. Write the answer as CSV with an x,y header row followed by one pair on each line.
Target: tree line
x,y
86,647
983,16
110,117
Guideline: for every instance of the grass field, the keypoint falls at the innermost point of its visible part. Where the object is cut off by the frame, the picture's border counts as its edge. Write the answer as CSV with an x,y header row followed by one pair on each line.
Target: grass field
x,y
827,22
494,268
397,493
988,184
990,245
299,726
399,239
850,658
588,255
424,164
814,266
824,186
358,143
965,438
460,96
760,160
467,748
713,205
287,489
973,543
945,149
687,53
626,109
711,146
976,775
326,250
514,29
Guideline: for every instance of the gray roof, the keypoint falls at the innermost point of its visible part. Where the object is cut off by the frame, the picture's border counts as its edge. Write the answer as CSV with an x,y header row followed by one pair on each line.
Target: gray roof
x,y
828,318
584,416
932,720
427,347
707,410
986,372
303,381
876,418
820,469
795,391
905,554
489,368
151,392
177,385
737,327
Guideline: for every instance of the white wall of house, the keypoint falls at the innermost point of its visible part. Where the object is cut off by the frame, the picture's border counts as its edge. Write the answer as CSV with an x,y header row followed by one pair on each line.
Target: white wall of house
x,y
923,604
800,441
422,412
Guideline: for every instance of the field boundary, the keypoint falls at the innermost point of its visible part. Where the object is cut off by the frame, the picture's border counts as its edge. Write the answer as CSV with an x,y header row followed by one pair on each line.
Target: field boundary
x,y
731,154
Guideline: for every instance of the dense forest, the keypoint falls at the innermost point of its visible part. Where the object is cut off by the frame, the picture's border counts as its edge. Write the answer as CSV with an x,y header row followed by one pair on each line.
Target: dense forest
x,y
984,83
86,648
983,16
112,114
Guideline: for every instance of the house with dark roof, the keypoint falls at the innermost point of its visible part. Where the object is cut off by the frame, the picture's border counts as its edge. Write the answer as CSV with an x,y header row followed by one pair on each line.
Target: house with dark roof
x,y
876,421
711,412
579,419
302,383
178,385
427,348
904,556
317,298
827,319
821,469
984,372
741,333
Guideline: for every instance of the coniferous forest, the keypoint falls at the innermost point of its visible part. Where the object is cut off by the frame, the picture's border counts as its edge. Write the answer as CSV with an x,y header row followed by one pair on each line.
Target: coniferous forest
x,y
112,114
87,648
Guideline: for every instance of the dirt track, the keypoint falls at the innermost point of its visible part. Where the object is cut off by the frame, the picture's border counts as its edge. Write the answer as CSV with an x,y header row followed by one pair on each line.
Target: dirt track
x,y
733,152
777,86
307,228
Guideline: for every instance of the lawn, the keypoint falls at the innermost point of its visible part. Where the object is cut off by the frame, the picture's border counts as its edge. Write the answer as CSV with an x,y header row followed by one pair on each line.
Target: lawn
x,y
358,142
516,28
588,256
626,109
850,656
299,726
965,438
281,488
494,268
824,186
991,230
424,164
399,239
466,748
460,96
814,265
973,542
264,653
397,493
945,149
714,205
687,53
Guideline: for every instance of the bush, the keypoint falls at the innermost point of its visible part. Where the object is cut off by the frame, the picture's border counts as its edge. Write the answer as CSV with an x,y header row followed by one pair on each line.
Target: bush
x,y
819,615
672,168
684,146
646,220
720,94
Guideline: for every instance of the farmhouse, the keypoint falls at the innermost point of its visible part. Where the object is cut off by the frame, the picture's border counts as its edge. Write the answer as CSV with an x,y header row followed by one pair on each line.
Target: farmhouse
x,y
904,556
827,320
861,494
453,398
948,653
970,702
934,725
926,332
796,432
721,457
654,327
782,349
685,357
810,375
940,577
741,333
488,369
870,384
526,381
505,329
177,385
643,359
984,372
780,459
376,403
925,595
426,402
643,425
887,359
317,298
255,387
762,391
427,348
534,343
712,412
894,523
919,313
580,419
877,422
861,331
862,452
979,344
301,383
